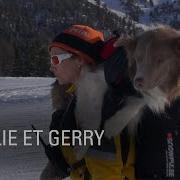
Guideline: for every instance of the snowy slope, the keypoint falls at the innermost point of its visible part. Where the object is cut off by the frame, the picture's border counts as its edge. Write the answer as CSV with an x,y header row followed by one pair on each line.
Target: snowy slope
x,y
113,4
24,89
110,6
157,2
117,7
116,4
23,101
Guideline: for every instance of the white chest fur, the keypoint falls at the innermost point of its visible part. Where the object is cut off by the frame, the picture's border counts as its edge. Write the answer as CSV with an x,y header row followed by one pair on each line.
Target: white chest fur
x,y
90,93
155,99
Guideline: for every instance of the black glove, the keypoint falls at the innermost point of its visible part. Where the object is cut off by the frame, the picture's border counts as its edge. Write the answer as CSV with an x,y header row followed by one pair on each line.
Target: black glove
x,y
57,159
57,121
158,144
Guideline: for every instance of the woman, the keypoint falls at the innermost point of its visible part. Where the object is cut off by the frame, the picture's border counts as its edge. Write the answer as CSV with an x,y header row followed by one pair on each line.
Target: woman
x,y
72,49
78,47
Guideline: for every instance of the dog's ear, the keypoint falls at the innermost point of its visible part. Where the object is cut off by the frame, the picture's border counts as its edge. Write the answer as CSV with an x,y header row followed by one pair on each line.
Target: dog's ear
x,y
128,43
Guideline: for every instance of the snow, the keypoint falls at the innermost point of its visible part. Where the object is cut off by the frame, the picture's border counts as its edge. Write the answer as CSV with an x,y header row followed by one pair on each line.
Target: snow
x,y
113,4
92,1
24,89
145,19
119,13
23,101
110,8
157,2
115,7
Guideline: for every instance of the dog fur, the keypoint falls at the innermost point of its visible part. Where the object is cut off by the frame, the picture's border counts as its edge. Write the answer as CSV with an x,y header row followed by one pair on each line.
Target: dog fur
x,y
91,88
154,57
156,54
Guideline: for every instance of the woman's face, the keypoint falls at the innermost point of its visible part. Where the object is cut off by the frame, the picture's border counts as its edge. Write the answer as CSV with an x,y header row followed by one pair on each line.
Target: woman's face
x,y
68,71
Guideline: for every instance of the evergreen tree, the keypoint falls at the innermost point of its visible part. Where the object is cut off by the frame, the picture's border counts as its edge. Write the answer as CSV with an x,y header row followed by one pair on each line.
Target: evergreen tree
x,y
151,3
132,10
98,2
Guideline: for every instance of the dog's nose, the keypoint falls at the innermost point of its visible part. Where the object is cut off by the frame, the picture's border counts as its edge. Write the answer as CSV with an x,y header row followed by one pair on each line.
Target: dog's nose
x,y
139,82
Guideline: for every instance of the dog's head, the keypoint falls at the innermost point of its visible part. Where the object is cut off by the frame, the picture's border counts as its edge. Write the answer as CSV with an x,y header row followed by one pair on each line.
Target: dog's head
x,y
156,55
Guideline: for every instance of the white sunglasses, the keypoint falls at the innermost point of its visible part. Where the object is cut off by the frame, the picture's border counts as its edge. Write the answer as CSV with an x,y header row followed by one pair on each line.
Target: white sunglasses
x,y
58,59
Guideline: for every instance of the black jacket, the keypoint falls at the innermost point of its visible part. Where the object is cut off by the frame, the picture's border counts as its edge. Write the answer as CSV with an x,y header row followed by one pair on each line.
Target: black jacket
x,y
158,144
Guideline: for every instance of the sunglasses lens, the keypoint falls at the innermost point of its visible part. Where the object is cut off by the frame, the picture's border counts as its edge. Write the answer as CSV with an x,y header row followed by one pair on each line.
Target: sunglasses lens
x,y
55,60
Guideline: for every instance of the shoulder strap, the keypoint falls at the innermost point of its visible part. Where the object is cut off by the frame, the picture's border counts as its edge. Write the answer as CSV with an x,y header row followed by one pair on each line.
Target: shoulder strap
x,y
125,144
112,102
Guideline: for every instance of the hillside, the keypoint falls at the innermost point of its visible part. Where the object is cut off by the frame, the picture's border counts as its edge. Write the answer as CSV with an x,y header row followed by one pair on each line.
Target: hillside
x,y
30,26
147,11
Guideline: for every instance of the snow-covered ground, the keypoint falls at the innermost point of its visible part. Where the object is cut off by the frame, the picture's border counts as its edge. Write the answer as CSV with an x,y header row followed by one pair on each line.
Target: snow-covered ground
x,y
23,101
23,89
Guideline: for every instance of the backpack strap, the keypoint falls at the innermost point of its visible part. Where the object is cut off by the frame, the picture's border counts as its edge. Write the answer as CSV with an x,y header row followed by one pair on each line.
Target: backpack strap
x,y
125,145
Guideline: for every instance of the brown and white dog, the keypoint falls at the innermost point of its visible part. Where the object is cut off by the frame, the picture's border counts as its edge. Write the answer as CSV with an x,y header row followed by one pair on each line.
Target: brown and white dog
x,y
156,56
